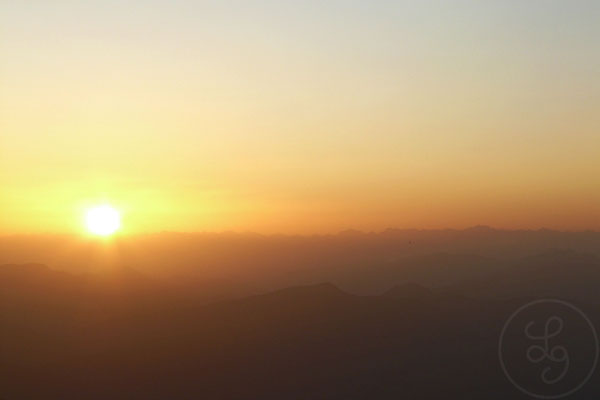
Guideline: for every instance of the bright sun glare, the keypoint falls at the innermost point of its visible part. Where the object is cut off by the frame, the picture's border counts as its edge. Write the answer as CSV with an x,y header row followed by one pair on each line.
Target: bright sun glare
x,y
102,220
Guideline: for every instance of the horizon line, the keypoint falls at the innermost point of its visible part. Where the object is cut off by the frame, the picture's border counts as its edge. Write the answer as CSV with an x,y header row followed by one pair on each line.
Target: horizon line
x,y
343,232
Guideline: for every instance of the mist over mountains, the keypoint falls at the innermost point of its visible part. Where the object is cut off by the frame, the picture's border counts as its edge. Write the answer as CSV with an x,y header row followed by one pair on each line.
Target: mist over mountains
x,y
399,314
362,263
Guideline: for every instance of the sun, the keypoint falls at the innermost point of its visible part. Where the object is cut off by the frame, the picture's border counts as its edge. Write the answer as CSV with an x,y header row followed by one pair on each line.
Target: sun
x,y
102,220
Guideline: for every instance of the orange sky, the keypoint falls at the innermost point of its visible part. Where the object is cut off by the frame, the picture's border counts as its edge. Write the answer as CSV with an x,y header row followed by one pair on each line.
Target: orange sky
x,y
299,118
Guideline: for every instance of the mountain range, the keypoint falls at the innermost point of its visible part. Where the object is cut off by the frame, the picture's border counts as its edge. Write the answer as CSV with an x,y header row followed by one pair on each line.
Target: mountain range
x,y
124,334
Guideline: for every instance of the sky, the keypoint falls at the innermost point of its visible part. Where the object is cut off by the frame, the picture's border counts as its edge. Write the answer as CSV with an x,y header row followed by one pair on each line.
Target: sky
x,y
300,117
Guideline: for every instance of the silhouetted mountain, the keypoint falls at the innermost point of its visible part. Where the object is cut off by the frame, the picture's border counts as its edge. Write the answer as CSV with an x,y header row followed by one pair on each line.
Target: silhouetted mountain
x,y
36,283
306,342
363,263
31,274
298,343
122,335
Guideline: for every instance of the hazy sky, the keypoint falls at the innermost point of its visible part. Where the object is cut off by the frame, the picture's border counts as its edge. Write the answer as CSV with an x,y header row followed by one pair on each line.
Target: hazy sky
x,y
300,116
